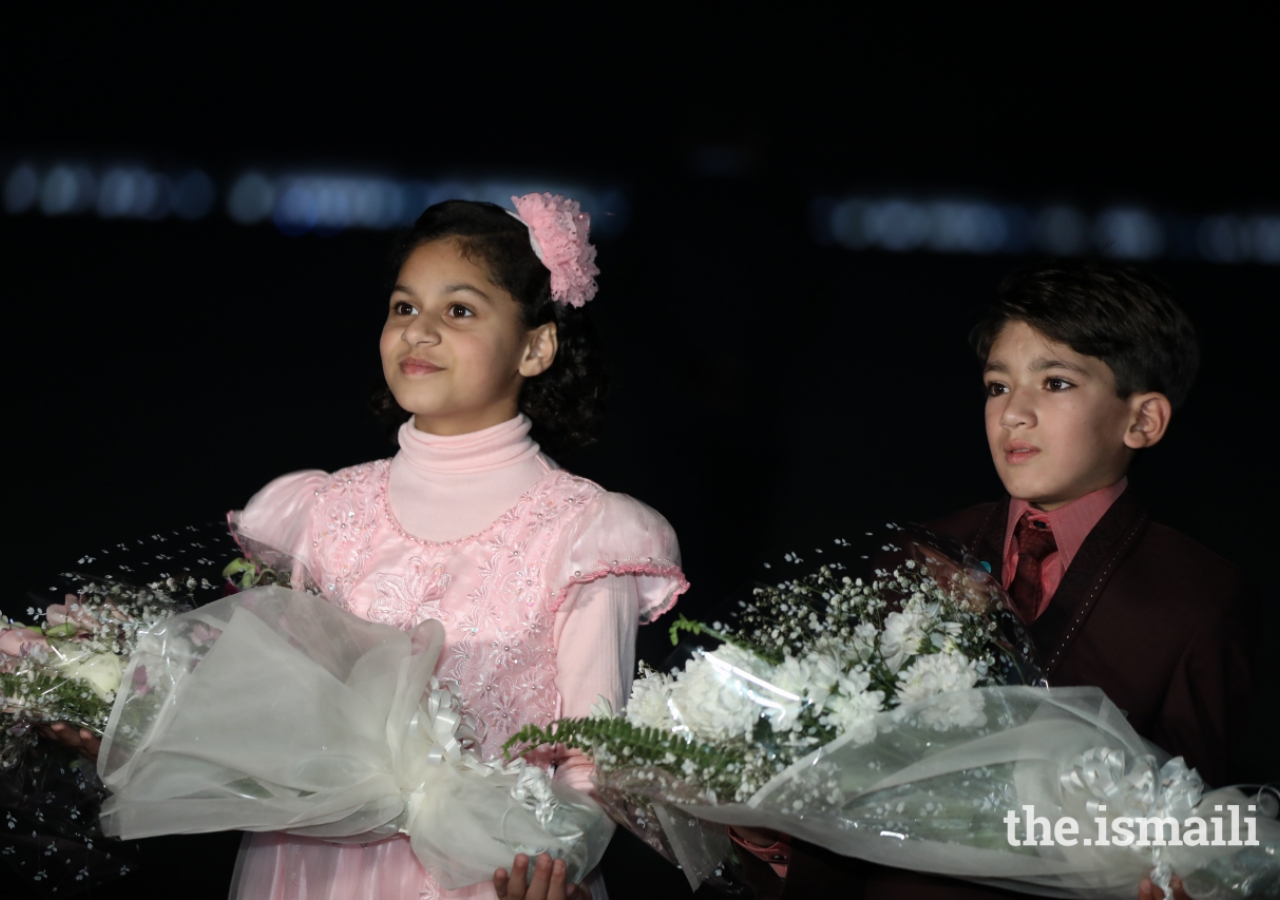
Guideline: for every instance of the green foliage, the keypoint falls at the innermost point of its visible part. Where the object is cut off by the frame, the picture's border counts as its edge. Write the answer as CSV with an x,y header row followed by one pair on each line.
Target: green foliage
x,y
248,573
616,738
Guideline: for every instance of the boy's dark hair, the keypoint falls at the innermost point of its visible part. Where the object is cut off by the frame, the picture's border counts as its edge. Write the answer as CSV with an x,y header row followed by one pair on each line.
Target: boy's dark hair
x,y
1122,316
566,402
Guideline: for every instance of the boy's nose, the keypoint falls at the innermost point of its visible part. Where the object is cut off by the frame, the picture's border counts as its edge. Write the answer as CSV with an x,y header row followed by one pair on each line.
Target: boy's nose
x,y
1017,410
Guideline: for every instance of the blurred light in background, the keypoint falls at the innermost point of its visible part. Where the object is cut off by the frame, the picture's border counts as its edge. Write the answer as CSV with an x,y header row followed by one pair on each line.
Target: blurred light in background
x,y
296,203
901,225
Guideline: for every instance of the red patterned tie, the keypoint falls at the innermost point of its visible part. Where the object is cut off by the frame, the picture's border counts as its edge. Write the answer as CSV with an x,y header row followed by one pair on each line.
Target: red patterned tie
x,y
1035,542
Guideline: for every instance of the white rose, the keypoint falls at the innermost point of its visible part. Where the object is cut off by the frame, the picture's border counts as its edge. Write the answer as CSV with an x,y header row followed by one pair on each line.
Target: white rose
x,y
101,672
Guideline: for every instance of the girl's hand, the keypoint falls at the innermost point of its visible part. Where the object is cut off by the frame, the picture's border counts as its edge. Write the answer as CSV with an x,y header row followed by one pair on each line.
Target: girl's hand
x,y
548,881
80,739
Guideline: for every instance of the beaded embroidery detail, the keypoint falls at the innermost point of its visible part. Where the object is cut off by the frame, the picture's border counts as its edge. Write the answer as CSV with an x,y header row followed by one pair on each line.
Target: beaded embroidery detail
x,y
499,625
342,527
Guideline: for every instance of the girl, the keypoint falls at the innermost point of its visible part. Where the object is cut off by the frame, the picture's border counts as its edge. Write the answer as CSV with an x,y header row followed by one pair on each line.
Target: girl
x,y
539,577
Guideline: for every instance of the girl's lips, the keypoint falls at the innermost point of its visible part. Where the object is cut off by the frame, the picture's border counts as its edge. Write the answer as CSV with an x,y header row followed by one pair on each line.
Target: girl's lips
x,y
418,367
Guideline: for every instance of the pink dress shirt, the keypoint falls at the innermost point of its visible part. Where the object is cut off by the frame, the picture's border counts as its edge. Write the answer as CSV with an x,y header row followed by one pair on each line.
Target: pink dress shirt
x,y
1071,524
539,577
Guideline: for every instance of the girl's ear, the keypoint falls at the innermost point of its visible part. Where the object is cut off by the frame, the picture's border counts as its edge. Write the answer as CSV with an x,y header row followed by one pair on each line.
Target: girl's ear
x,y
1149,416
540,350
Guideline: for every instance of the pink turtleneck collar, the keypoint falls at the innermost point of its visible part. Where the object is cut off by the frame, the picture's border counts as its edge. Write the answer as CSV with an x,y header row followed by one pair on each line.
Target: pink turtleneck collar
x,y
495,447
444,488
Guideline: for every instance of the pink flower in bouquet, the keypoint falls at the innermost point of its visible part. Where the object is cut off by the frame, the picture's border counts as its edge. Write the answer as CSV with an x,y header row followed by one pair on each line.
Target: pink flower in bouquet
x,y
203,636
17,641
140,686
561,238
72,612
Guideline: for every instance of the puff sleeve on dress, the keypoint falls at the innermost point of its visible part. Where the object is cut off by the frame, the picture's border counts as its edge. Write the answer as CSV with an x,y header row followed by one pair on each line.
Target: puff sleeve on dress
x,y
277,519
621,567
619,535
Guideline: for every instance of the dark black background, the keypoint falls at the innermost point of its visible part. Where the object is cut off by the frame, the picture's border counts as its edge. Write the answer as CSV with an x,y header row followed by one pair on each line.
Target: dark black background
x,y
770,393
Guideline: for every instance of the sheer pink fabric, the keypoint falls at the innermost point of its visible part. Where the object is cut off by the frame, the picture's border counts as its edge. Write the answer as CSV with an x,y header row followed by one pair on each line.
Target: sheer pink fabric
x,y
540,604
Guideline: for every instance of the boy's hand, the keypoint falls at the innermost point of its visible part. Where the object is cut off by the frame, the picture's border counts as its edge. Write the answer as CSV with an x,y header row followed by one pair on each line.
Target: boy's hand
x,y
1148,891
80,739
548,881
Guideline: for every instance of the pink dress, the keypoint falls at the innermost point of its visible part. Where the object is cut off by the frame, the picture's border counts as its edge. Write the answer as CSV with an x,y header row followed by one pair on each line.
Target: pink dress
x,y
539,577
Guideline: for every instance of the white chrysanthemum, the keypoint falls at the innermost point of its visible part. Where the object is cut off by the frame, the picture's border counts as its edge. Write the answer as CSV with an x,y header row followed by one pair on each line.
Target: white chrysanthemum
x,y
947,678
601,709
864,641
852,708
904,633
963,709
647,706
809,680
713,698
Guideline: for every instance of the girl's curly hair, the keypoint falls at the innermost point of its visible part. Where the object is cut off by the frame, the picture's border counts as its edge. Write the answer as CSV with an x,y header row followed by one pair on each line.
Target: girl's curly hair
x,y
566,402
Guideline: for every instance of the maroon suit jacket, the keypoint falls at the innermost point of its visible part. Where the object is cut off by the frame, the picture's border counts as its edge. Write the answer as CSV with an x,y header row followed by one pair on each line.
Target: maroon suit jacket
x,y
1160,623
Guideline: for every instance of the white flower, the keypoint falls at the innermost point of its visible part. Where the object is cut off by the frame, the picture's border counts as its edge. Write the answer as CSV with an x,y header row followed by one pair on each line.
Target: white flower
x,y
809,680
904,632
714,699
100,671
851,710
948,678
864,641
601,709
963,709
648,704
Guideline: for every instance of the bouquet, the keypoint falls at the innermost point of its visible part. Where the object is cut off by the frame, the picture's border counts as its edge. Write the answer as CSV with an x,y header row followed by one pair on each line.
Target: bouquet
x,y
69,669
274,710
898,720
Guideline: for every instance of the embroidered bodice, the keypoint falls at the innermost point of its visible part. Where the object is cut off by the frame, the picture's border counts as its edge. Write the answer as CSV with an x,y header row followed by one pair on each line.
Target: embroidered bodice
x,y
497,592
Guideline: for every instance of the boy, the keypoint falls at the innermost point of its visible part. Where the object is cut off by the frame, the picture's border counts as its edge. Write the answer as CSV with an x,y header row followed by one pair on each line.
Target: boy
x,y
1084,364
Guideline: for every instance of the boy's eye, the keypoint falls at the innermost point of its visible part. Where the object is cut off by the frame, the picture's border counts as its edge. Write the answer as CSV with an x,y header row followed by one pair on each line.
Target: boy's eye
x,y
401,308
1058,384
458,311
993,388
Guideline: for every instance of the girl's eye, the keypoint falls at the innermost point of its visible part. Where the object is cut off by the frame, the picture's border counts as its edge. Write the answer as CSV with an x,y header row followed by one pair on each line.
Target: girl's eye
x,y
1058,384
458,311
402,308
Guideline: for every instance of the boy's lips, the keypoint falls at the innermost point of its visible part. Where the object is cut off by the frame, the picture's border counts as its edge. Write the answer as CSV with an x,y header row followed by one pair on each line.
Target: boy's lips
x,y
412,366
1016,452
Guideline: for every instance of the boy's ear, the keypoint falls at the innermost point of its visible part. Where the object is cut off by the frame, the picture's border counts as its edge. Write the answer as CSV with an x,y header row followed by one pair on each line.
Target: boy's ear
x,y
1149,416
540,350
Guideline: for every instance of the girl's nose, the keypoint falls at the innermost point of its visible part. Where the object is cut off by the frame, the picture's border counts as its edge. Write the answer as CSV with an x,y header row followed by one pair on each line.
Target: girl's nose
x,y
421,331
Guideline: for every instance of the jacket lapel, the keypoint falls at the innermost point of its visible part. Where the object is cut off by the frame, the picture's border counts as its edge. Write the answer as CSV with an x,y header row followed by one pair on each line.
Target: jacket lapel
x,y
988,541
1110,541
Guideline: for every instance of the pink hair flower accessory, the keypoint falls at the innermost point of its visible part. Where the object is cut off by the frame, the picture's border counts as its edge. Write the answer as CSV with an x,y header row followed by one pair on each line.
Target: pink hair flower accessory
x,y
559,232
